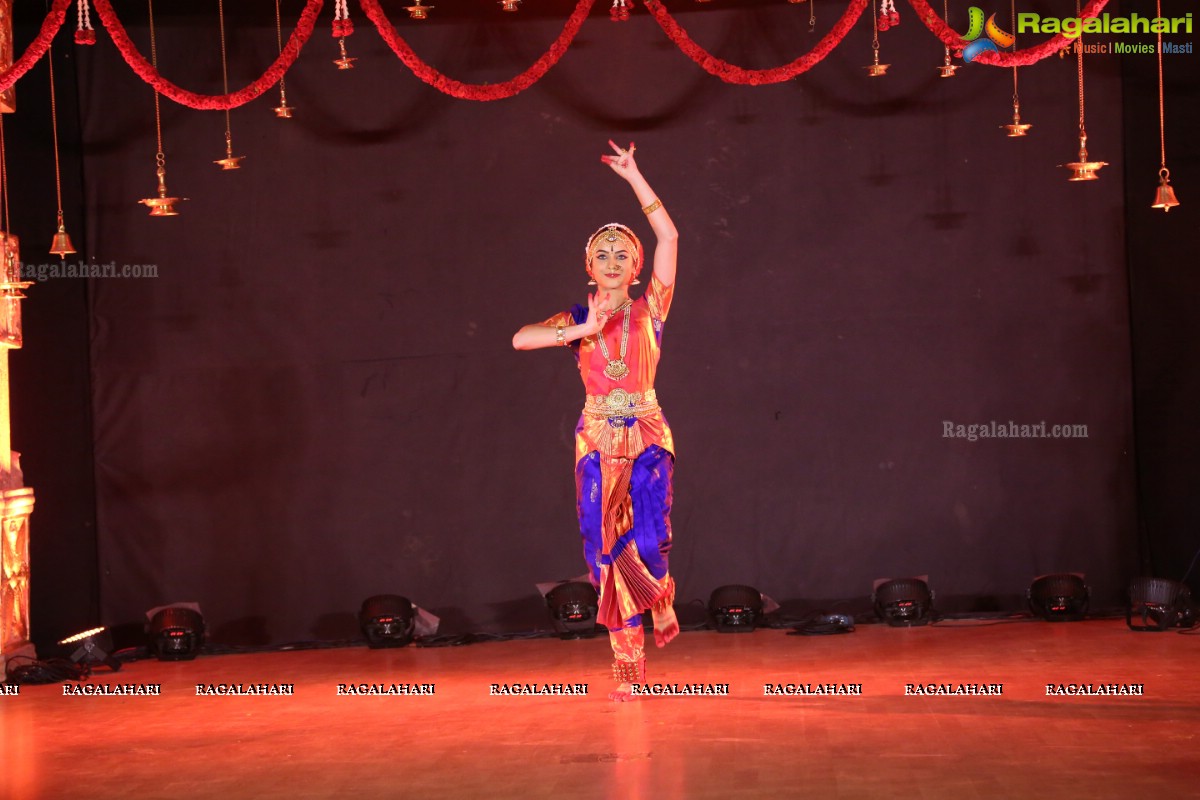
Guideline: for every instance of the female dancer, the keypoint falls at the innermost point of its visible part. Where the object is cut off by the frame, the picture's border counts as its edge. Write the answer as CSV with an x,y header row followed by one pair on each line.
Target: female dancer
x,y
623,448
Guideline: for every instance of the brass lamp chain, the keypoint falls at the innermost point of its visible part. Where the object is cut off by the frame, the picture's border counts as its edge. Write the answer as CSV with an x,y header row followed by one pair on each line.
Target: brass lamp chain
x,y
229,161
875,69
224,68
1164,198
3,182
946,19
1079,73
1084,169
279,40
947,67
162,205
1013,27
159,157
1016,128
54,133
874,31
1162,133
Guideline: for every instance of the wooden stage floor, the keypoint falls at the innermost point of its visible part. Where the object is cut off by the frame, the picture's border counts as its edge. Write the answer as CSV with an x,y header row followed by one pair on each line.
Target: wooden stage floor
x,y
463,741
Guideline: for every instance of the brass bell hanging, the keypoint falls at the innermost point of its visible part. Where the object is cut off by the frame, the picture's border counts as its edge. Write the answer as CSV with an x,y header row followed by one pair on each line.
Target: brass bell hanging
x,y
1164,198
61,245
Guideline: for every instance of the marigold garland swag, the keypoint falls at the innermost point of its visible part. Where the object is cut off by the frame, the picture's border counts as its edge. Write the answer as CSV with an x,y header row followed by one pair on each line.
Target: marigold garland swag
x,y
730,73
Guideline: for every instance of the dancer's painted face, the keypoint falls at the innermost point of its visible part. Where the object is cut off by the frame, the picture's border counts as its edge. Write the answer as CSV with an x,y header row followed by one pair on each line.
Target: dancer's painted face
x,y
612,265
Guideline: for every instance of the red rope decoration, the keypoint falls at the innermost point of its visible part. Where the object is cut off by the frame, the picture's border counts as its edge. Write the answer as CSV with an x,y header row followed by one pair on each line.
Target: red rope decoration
x,y
38,47
730,73
1021,58
139,64
470,91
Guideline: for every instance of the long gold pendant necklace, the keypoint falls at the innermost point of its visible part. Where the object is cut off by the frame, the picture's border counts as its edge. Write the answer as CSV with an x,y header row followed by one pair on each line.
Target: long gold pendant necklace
x,y
617,369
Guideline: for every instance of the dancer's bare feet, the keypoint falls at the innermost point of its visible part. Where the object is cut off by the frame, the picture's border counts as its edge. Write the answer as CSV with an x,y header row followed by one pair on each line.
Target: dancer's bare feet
x,y
627,673
666,626
622,694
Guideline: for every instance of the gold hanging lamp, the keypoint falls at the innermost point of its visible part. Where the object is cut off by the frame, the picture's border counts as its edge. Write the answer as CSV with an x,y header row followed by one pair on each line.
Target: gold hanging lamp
x,y
511,5
947,69
418,11
283,110
61,244
875,69
230,161
163,205
1164,196
1016,127
1083,169
342,27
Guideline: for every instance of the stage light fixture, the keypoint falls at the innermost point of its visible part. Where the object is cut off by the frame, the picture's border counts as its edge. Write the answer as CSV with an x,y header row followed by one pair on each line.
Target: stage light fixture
x,y
91,647
1159,604
176,633
735,608
573,607
903,602
1061,597
387,620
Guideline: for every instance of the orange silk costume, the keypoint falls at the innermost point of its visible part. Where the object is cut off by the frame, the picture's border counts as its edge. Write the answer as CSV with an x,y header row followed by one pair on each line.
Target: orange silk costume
x,y
624,456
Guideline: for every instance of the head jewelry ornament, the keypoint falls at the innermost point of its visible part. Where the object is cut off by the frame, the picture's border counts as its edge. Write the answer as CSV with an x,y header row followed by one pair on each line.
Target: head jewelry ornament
x,y
615,232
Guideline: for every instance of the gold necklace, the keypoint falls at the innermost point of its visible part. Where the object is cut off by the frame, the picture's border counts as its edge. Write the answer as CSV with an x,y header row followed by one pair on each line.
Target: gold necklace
x,y
617,369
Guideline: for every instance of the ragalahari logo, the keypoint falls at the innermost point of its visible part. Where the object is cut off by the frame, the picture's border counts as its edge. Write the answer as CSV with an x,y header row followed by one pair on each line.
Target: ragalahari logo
x,y
996,40
1072,28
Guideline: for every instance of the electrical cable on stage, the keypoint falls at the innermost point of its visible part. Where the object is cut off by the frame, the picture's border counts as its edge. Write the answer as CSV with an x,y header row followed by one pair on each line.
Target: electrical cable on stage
x,y
52,670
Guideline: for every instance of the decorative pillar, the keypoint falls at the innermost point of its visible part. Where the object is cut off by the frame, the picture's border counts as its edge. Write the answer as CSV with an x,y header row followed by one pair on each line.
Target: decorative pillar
x,y
16,499
8,96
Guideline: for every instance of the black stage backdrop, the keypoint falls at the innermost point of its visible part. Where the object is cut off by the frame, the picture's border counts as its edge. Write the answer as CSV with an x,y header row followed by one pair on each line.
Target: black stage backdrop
x,y
50,385
316,399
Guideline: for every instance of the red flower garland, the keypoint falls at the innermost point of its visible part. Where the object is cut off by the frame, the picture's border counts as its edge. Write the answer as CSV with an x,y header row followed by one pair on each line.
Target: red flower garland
x,y
139,64
731,73
469,91
38,47
1020,58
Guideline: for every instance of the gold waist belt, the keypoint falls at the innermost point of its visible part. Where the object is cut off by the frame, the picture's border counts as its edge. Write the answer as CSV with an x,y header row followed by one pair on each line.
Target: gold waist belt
x,y
620,404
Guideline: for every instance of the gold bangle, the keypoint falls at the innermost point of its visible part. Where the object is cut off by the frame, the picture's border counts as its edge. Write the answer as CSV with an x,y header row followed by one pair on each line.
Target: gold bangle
x,y
560,336
650,209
